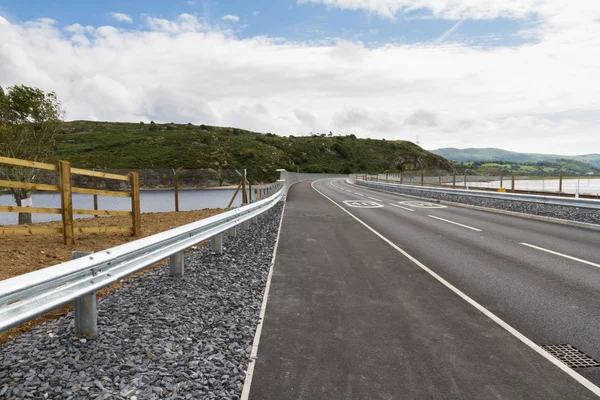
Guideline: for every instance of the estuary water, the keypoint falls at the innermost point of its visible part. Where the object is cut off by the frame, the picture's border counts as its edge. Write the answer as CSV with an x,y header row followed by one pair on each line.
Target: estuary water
x,y
150,201
582,185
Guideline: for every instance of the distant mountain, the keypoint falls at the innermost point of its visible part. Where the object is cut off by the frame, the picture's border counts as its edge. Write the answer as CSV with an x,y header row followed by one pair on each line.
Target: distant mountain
x,y
492,154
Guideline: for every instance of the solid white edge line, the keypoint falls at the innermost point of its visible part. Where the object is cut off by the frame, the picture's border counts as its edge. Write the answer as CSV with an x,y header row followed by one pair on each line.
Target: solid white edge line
x,y
373,198
583,381
455,223
404,208
562,255
252,361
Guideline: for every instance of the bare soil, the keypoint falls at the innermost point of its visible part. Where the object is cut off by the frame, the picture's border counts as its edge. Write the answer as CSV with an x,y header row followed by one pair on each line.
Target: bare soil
x,y
27,253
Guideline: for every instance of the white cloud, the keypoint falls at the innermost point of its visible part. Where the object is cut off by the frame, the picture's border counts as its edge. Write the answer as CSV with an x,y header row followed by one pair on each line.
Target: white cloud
x,y
232,18
538,97
121,17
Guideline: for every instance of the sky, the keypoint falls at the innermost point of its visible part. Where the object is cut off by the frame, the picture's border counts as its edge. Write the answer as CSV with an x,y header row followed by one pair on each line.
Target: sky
x,y
518,75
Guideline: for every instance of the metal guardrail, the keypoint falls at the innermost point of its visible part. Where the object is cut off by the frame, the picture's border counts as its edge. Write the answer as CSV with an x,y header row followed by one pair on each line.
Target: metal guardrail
x,y
27,296
526,198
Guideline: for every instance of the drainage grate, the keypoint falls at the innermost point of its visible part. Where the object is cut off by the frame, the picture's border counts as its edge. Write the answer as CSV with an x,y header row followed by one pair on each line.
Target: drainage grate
x,y
571,356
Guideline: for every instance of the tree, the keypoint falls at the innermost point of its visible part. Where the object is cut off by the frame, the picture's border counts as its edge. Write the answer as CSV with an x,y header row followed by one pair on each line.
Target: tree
x,y
29,122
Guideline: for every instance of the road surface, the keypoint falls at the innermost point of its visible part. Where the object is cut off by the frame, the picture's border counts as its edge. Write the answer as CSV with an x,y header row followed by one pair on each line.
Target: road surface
x,y
352,313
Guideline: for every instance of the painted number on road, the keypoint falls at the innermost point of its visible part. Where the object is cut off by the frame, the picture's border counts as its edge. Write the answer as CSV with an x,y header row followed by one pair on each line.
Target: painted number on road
x,y
362,204
422,204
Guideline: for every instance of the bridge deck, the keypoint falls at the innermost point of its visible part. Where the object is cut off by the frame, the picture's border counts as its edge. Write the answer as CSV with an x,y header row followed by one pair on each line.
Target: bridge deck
x,y
349,317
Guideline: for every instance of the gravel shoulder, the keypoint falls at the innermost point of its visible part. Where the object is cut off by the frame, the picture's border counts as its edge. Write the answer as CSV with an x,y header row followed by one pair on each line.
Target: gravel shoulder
x,y
159,336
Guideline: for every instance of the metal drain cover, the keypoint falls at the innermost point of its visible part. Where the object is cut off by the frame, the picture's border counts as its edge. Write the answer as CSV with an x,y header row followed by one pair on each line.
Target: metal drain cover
x,y
570,356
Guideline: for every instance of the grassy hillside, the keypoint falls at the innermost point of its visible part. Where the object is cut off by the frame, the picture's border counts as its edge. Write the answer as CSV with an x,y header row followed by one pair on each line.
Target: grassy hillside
x,y
152,146
492,154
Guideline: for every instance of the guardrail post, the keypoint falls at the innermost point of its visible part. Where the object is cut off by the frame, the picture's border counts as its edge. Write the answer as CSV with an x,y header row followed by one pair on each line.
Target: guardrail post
x,y
501,186
85,310
401,178
255,220
136,217
422,177
246,224
66,202
177,264
217,243
232,232
454,181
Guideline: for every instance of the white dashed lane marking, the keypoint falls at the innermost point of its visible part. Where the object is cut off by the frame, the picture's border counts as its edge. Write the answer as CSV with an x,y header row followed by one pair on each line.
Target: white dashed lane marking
x,y
562,255
455,223
404,208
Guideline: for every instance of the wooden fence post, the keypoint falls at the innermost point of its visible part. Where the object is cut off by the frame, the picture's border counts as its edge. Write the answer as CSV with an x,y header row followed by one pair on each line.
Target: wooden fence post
x,y
454,180
401,178
512,183
95,187
244,193
422,177
560,182
136,214
176,180
66,202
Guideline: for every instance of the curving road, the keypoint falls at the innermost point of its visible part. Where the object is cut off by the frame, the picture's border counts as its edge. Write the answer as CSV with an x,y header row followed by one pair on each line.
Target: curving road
x,y
343,288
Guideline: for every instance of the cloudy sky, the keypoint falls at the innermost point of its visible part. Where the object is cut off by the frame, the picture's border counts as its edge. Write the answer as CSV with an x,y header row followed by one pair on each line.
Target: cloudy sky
x,y
519,75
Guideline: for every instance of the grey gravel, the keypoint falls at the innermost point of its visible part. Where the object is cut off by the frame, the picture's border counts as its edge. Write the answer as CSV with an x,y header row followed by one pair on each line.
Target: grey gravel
x,y
159,337
569,213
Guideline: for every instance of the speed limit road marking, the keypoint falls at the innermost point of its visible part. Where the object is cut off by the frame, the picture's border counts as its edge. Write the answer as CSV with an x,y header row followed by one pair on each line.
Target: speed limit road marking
x,y
362,204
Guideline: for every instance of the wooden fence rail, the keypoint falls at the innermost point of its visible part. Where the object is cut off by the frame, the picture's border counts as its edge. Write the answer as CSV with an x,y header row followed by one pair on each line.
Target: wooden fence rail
x,y
66,197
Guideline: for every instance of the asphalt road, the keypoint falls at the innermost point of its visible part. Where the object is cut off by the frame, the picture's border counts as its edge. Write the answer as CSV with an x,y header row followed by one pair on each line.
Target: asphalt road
x,y
349,316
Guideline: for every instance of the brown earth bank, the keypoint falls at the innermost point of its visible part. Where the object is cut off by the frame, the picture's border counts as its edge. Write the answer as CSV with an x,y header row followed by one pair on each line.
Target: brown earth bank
x,y
27,253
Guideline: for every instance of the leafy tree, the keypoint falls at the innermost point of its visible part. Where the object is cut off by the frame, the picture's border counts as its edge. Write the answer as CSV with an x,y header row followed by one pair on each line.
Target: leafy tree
x,y
29,123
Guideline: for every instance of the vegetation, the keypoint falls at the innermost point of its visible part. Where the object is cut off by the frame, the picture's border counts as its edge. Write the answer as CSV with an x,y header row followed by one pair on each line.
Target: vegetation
x,y
108,145
497,155
29,123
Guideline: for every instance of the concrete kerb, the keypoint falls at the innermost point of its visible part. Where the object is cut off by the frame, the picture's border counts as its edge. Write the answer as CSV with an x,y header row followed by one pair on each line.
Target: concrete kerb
x,y
493,210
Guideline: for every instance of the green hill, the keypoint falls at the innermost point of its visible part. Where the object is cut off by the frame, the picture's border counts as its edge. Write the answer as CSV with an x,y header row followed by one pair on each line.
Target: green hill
x,y
110,145
493,154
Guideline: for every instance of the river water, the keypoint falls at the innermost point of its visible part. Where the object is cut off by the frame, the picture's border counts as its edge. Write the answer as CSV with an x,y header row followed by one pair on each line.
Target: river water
x,y
583,185
150,201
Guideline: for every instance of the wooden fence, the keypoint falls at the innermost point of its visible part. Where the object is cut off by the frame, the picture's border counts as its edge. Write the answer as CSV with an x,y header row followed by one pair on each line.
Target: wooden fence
x,y
66,191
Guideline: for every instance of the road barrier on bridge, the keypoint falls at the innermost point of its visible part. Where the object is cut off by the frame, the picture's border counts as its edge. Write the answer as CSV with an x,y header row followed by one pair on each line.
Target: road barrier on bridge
x,y
525,198
27,296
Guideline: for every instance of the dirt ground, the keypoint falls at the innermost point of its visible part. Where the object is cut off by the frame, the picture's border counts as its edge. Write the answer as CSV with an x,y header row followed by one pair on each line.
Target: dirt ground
x,y
27,253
